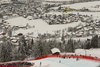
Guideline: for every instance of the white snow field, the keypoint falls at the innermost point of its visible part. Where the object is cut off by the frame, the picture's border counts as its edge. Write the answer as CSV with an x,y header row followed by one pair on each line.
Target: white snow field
x,y
81,5
40,26
90,52
70,62
17,21
60,62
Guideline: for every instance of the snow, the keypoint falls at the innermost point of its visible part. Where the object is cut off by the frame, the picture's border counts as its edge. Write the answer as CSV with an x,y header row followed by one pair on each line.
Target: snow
x,y
91,52
40,26
57,0
81,5
5,1
82,38
54,62
17,21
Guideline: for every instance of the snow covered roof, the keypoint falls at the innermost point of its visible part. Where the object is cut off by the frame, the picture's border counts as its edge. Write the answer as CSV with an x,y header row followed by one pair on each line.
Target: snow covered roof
x,y
54,50
5,1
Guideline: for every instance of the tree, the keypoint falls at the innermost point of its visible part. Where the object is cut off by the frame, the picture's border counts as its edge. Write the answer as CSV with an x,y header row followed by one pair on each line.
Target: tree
x,y
5,54
32,42
1,16
9,31
88,44
99,41
63,38
38,49
23,48
94,42
70,46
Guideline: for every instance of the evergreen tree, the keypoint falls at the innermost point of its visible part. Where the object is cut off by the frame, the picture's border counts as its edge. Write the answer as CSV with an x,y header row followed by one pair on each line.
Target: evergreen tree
x,y
99,41
10,31
23,48
38,49
6,50
88,44
70,47
94,42
63,38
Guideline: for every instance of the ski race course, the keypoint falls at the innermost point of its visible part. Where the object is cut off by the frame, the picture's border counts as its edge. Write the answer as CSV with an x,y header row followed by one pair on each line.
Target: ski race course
x,y
61,61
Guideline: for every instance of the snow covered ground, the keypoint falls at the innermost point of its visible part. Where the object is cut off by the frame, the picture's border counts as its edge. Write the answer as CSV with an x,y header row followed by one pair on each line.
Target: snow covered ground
x,y
40,26
81,5
57,0
55,62
17,21
60,62
91,52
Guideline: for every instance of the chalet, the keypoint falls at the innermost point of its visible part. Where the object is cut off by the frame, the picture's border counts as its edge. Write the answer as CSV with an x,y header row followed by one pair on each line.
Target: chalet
x,y
86,29
20,34
66,36
91,33
55,51
97,23
79,27
80,34
73,34
9,14
97,32
15,15
29,17
1,42
3,34
14,42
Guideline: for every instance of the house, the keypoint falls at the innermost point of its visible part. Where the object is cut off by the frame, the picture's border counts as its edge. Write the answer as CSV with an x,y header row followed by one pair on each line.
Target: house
x,y
55,51
29,17
5,1
80,34
20,34
14,42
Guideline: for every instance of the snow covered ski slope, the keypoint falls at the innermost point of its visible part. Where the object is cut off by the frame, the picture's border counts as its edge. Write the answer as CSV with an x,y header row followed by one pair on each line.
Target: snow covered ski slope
x,y
68,62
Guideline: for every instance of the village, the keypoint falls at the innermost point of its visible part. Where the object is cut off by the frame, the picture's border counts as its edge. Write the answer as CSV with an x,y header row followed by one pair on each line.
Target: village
x,y
87,26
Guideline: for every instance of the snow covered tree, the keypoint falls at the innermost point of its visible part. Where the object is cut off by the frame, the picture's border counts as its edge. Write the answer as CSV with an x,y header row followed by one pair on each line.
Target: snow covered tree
x,y
38,49
10,31
5,54
70,46
99,41
63,38
23,48
32,41
94,42
88,44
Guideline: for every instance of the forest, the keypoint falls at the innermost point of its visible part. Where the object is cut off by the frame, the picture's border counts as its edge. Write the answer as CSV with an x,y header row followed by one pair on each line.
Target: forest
x,y
31,48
